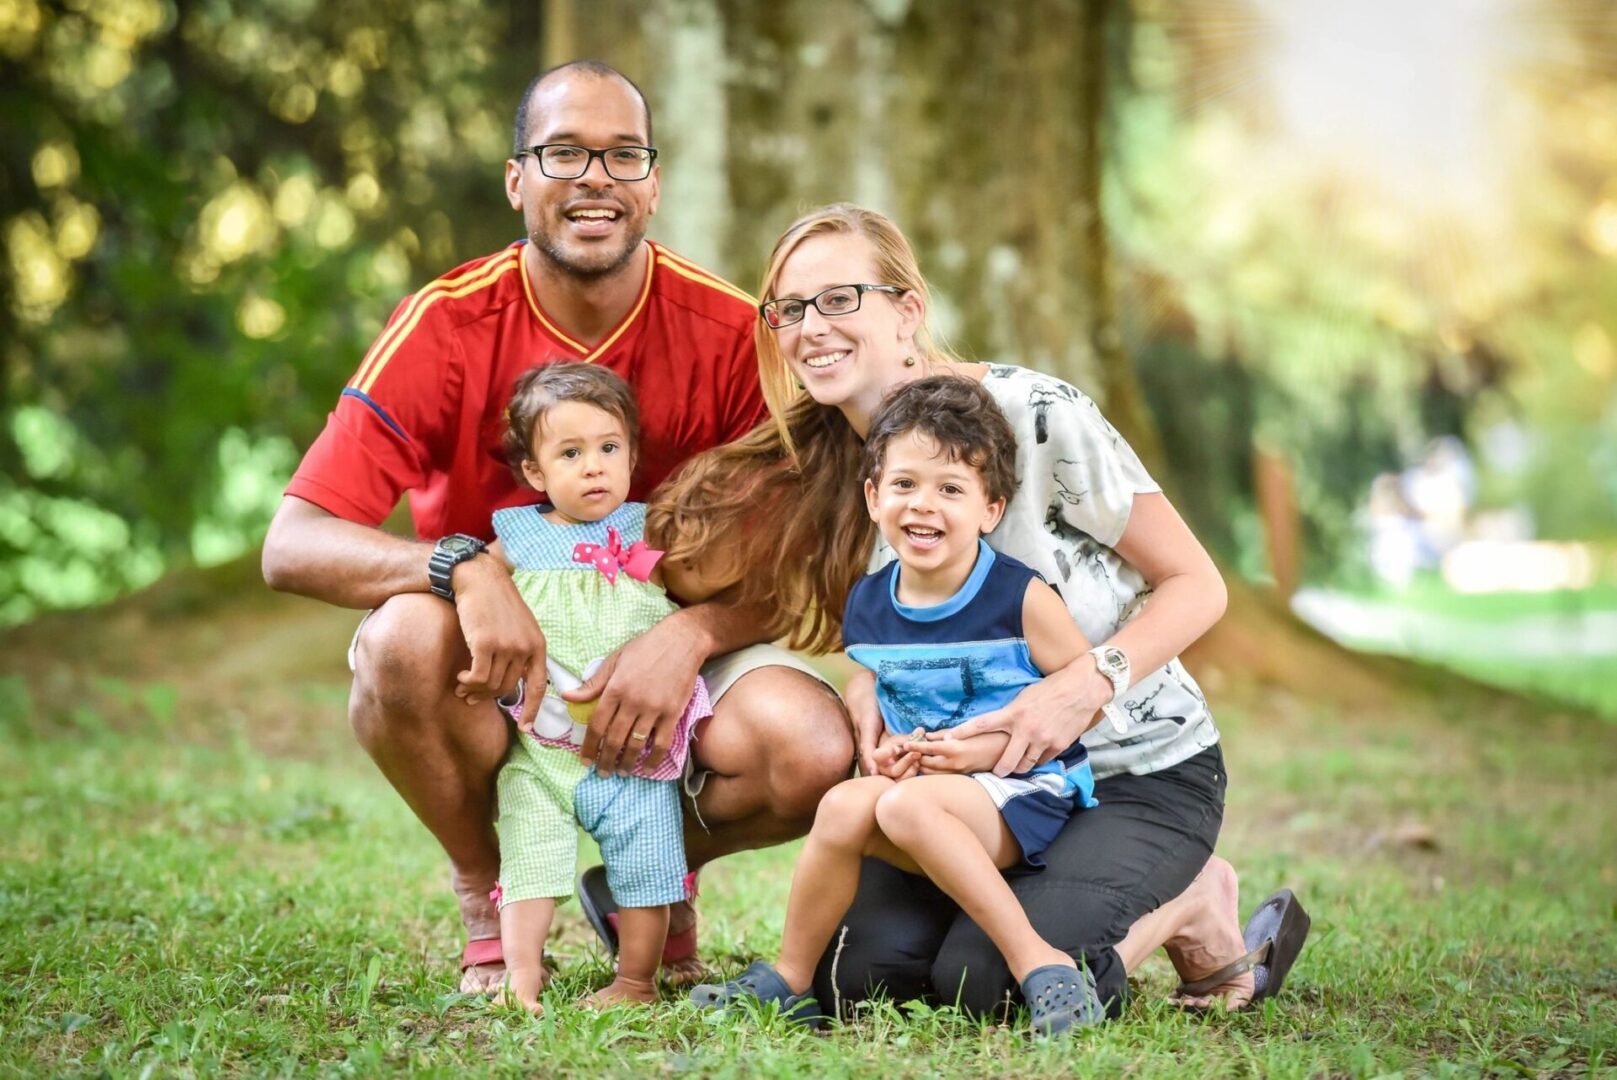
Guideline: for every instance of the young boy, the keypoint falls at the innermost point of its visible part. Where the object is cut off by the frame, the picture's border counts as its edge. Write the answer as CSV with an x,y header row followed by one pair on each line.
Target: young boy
x,y
949,631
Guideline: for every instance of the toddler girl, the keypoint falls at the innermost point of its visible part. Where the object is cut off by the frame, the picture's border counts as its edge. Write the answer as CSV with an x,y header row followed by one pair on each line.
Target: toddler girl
x,y
581,564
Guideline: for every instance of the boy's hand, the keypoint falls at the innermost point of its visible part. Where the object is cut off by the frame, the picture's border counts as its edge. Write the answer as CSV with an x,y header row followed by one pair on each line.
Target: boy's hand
x,y
894,759
941,752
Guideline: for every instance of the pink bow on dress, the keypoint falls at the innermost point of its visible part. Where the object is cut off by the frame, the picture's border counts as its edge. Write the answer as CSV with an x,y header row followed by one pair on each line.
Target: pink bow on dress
x,y
638,561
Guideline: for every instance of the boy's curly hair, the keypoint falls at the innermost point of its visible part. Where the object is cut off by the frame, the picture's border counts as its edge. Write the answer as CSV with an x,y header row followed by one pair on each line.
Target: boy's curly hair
x,y
957,413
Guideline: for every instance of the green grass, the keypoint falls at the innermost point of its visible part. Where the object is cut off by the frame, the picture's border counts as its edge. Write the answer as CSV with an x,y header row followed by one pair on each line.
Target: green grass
x,y
177,900
1427,592
1584,681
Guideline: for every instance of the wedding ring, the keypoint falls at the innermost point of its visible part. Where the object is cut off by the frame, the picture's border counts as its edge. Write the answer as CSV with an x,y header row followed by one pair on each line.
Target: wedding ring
x,y
635,736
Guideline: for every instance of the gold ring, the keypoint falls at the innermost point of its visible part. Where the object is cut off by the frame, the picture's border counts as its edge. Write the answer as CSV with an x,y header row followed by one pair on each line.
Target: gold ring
x,y
635,736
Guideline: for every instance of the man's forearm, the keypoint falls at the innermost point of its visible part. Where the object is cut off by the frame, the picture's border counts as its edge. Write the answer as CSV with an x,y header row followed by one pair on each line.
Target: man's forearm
x,y
312,553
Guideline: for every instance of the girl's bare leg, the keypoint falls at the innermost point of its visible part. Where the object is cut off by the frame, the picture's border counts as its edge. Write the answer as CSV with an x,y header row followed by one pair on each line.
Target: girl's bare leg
x,y
641,934
827,875
953,831
524,925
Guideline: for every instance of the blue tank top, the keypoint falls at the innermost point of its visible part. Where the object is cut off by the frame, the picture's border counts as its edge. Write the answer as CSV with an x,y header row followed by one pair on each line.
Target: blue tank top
x,y
937,667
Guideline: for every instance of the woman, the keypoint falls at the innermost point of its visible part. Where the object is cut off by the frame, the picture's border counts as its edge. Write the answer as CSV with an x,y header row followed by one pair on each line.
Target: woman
x,y
844,321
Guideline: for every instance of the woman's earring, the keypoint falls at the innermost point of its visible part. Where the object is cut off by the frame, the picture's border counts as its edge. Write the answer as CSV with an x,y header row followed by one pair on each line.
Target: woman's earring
x,y
909,361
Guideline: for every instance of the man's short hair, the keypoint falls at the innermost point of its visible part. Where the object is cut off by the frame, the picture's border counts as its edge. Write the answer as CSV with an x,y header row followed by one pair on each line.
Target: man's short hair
x,y
960,416
598,68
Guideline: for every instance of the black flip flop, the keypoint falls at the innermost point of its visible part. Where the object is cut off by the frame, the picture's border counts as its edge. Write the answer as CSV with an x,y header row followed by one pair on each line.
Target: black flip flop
x,y
595,897
1274,935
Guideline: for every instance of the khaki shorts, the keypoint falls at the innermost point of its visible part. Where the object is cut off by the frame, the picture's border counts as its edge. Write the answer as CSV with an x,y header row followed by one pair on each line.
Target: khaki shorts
x,y
720,673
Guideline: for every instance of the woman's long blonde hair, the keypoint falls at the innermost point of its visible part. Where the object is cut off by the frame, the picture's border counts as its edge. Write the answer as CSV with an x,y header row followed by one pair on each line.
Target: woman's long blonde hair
x,y
785,502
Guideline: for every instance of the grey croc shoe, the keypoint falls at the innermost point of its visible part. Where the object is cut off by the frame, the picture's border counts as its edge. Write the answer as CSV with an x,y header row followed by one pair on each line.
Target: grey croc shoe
x,y
762,983
1061,998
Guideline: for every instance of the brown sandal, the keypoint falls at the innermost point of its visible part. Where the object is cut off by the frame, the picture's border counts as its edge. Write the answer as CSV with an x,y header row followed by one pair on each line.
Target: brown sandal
x,y
1275,935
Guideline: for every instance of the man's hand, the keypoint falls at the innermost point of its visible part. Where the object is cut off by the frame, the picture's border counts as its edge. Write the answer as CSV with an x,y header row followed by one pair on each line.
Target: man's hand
x,y
504,639
868,730
640,693
1045,718
946,752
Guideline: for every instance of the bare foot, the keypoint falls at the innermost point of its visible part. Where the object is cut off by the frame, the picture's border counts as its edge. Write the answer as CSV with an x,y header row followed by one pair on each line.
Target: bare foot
x,y
522,986
691,970
482,920
1211,938
622,991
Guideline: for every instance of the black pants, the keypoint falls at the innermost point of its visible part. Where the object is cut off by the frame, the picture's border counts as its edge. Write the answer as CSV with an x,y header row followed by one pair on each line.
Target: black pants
x,y
1141,847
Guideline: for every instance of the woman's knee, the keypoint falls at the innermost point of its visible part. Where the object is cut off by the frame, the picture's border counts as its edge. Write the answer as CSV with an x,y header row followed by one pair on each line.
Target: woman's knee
x,y
970,972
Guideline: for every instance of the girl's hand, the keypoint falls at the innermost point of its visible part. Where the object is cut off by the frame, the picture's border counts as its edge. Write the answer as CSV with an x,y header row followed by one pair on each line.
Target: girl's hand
x,y
945,752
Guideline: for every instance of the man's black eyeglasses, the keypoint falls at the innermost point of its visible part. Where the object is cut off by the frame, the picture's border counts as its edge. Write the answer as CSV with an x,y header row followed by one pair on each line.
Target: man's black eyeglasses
x,y
837,300
561,161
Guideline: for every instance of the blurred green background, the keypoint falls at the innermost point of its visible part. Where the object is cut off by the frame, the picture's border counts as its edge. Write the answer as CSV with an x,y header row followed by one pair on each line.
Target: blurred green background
x,y
1345,274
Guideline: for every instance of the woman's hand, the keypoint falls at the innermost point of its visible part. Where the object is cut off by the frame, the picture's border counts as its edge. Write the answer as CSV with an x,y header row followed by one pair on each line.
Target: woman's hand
x,y
1045,718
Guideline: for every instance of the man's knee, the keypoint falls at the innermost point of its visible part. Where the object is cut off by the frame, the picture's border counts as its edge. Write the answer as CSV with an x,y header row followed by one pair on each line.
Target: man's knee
x,y
404,661
799,733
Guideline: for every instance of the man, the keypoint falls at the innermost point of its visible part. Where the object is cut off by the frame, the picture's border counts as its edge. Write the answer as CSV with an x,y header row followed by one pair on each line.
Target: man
x,y
446,631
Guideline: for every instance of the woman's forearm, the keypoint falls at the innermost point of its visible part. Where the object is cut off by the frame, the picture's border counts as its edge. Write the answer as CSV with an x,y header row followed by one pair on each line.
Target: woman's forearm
x,y
1181,609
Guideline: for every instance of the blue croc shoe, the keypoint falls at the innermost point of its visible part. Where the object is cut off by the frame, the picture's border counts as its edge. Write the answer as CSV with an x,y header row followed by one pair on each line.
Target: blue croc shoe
x,y
1061,998
762,983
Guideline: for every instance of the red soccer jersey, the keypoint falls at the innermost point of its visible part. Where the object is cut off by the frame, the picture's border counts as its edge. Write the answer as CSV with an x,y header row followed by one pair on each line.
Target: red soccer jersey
x,y
425,411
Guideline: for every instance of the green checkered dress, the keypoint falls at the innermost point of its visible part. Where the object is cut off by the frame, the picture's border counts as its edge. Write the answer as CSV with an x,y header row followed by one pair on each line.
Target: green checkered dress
x,y
545,791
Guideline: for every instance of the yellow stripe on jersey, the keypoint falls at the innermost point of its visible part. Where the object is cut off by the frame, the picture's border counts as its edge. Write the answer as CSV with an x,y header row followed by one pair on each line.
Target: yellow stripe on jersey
x,y
687,269
539,313
444,288
628,321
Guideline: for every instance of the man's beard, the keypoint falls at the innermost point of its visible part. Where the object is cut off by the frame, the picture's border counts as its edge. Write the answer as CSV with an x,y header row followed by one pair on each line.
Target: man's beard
x,y
560,260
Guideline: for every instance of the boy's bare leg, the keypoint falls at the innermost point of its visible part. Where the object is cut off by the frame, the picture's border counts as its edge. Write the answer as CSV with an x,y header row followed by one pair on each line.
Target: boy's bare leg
x,y
641,933
524,925
827,875
777,742
951,828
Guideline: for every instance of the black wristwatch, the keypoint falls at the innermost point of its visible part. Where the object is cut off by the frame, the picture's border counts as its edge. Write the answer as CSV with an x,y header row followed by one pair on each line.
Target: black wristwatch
x,y
447,554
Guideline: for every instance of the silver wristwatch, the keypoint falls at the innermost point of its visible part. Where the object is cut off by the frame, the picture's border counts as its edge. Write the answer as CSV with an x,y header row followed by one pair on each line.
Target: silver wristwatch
x,y
1113,663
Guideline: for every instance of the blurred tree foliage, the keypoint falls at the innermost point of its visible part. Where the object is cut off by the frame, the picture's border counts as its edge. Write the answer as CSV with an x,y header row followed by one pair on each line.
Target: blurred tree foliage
x,y
209,209
1314,314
